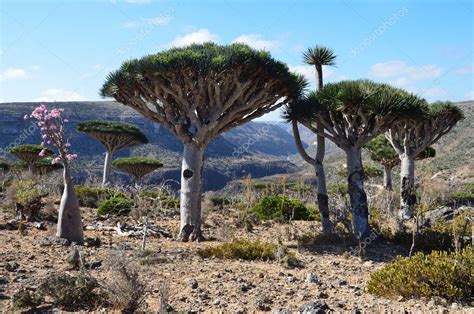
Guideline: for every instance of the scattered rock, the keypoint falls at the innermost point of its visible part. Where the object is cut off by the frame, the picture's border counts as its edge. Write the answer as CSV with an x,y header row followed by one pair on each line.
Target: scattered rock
x,y
216,302
12,266
193,283
316,307
51,240
454,306
3,280
312,278
290,279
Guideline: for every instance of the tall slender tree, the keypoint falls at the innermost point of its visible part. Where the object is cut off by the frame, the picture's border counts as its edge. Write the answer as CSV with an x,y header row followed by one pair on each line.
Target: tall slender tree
x,y
199,92
381,151
318,56
114,136
410,137
352,113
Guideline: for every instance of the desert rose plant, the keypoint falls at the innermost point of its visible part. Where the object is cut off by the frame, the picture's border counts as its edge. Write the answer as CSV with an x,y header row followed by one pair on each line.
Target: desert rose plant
x,y
52,125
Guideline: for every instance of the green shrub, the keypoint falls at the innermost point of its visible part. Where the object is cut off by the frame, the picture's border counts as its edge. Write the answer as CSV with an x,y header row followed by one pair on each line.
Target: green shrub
x,y
282,207
241,249
370,171
27,191
220,201
71,292
462,197
167,201
299,187
115,206
438,274
25,298
338,189
91,197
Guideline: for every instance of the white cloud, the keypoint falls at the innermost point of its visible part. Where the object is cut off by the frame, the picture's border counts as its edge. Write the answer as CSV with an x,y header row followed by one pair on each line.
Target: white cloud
x,y
470,95
396,68
54,94
434,92
467,69
310,73
13,73
155,21
197,37
255,41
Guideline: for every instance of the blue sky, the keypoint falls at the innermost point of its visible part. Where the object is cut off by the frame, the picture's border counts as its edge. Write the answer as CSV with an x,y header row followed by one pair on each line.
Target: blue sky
x,y
63,50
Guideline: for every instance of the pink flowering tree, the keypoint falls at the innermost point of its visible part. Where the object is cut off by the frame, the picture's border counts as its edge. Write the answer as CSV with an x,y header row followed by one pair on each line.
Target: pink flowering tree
x,y
52,124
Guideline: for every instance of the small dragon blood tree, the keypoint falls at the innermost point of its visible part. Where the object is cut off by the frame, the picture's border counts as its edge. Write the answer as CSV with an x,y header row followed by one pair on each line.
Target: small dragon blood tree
x,y
381,151
114,136
52,125
137,167
410,137
199,92
30,154
46,165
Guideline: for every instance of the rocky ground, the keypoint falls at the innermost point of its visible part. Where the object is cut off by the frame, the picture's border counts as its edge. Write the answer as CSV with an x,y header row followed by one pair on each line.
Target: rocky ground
x,y
329,278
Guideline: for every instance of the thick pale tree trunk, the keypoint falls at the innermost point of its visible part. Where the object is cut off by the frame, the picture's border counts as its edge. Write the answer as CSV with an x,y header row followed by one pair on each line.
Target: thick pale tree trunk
x,y
107,167
323,200
387,178
358,198
69,219
407,187
191,189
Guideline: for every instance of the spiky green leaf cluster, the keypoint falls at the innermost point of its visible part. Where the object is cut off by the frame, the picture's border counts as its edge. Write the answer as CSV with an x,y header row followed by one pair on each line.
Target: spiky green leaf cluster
x,y
319,55
201,59
445,109
136,161
112,127
380,149
350,96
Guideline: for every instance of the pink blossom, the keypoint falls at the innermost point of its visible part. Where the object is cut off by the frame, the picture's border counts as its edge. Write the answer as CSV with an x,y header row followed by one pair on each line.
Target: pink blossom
x,y
42,153
44,136
26,117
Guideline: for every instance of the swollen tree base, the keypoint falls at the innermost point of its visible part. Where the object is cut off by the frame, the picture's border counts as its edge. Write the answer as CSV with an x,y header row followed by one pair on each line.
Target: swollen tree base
x,y
69,218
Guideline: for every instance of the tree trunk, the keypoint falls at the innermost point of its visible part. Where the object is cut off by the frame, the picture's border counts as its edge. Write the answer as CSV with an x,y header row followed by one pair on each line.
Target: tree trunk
x,y
191,188
407,187
358,198
107,167
387,178
323,199
69,219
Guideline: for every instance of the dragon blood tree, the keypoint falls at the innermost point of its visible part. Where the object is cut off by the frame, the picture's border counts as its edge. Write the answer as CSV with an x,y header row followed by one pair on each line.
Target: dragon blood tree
x,y
137,167
410,137
317,56
352,113
52,125
46,165
114,136
30,154
198,92
381,151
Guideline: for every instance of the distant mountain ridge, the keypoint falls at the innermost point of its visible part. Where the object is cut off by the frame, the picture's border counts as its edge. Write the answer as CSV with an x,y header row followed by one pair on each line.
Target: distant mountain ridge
x,y
240,146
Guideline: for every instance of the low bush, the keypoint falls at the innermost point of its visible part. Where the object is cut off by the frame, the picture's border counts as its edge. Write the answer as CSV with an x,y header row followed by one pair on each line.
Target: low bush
x,y
284,208
71,292
241,249
91,197
26,298
438,274
167,201
370,171
125,290
115,206
220,201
